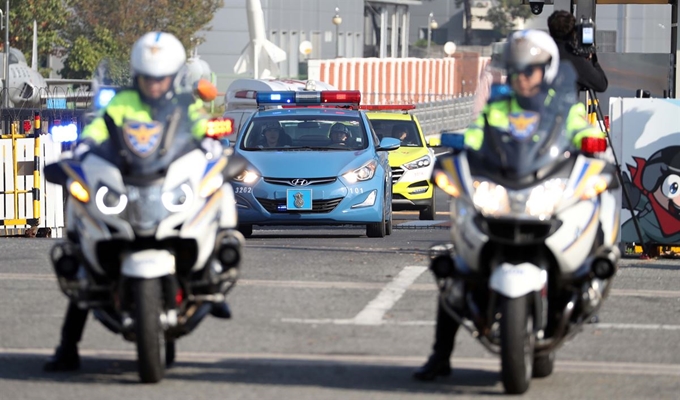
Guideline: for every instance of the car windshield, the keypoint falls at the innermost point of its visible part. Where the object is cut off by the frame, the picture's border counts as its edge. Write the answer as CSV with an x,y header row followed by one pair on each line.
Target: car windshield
x,y
292,132
406,131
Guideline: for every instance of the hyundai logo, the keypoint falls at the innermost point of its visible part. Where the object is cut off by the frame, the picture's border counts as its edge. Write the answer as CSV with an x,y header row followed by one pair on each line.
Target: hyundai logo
x,y
299,182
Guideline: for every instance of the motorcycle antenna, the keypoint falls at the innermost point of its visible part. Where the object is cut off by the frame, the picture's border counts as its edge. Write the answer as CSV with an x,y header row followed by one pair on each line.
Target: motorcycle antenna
x,y
598,110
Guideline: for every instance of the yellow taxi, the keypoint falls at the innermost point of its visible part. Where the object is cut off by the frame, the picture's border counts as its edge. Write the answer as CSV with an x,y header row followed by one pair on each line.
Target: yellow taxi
x,y
411,163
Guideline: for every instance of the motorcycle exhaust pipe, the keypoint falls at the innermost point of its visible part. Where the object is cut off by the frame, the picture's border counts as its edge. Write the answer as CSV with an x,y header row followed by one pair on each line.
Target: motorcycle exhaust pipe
x,y
441,260
228,249
605,262
65,260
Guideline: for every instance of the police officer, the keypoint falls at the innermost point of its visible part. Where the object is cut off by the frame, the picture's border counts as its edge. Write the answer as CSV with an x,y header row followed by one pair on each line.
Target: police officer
x,y
531,60
156,59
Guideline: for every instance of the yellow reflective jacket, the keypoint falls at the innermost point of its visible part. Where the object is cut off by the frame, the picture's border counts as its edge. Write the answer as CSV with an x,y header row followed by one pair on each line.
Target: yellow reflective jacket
x,y
128,105
498,111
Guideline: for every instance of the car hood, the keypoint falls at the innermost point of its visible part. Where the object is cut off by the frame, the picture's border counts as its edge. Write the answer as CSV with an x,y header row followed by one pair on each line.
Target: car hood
x,y
403,155
305,163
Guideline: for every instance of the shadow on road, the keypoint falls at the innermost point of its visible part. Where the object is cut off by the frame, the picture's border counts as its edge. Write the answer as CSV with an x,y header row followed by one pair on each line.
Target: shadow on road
x,y
276,372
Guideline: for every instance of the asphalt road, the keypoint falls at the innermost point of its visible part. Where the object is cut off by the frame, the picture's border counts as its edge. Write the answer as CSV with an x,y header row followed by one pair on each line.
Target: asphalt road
x,y
313,320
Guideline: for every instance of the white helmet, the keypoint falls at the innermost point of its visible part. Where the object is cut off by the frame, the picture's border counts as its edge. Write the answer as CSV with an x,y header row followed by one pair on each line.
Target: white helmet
x,y
532,47
157,54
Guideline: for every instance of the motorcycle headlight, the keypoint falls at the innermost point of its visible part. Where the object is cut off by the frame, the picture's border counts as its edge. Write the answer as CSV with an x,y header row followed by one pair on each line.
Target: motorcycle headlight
x,y
490,198
247,177
178,199
363,173
422,162
543,199
110,202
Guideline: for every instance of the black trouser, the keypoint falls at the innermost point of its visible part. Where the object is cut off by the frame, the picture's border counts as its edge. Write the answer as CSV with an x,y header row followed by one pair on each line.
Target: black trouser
x,y
74,324
445,333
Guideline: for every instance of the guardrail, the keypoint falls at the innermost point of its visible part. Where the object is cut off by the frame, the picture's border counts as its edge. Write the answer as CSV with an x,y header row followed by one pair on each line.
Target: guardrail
x,y
438,113
445,115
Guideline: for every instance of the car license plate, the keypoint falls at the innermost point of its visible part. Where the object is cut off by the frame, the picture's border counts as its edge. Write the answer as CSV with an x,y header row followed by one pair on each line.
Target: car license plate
x,y
299,199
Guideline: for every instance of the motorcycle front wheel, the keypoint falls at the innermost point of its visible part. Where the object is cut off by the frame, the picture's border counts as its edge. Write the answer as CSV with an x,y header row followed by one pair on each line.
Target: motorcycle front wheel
x,y
148,330
517,344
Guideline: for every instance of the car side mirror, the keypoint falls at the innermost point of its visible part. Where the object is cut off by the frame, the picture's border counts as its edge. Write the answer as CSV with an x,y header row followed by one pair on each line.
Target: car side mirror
x,y
434,142
388,143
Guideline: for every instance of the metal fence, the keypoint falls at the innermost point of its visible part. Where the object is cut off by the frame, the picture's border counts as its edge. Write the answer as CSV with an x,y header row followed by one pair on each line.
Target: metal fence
x,y
445,115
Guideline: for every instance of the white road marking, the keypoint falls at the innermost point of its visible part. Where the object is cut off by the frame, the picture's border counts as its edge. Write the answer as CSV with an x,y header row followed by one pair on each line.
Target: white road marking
x,y
352,285
488,364
600,325
374,311
647,327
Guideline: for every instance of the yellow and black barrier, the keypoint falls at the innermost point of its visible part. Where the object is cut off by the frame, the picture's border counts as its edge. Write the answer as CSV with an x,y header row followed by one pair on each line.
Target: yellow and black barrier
x,y
31,129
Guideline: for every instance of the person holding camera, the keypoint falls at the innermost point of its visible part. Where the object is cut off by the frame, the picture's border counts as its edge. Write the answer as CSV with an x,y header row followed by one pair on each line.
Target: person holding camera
x,y
563,29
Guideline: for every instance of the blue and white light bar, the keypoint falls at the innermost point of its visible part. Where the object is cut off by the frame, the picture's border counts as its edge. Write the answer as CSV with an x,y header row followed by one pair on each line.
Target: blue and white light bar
x,y
64,133
306,98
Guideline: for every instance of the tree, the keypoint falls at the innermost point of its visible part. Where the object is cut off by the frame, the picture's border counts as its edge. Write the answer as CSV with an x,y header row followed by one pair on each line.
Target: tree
x,y
467,6
504,14
51,16
99,28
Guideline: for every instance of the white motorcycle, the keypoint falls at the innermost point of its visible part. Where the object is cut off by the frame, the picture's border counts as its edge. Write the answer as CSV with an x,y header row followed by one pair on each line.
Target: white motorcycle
x,y
533,228
151,222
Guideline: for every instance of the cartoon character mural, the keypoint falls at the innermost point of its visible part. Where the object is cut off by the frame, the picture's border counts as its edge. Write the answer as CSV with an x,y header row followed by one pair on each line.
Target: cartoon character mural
x,y
655,194
649,138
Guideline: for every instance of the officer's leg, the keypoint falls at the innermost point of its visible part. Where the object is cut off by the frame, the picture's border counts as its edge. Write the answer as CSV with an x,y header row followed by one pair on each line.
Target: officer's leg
x,y
439,363
66,356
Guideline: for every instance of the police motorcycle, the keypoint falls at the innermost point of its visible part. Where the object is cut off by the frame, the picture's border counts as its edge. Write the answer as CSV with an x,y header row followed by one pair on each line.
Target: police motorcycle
x,y
151,225
533,228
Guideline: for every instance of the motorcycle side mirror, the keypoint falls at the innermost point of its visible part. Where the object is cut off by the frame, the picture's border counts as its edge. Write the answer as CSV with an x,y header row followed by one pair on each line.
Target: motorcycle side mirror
x,y
205,90
236,164
54,173
454,140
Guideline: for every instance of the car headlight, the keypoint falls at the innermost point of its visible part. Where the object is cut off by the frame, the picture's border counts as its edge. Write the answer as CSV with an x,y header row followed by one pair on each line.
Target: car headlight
x,y
490,198
363,173
110,202
422,162
178,199
544,198
247,177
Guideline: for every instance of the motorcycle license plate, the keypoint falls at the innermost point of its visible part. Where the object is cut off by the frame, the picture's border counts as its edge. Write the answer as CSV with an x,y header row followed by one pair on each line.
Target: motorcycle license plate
x,y
299,199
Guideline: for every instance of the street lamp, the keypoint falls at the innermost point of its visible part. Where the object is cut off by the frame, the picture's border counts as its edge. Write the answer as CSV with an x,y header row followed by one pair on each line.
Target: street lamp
x,y
337,20
431,24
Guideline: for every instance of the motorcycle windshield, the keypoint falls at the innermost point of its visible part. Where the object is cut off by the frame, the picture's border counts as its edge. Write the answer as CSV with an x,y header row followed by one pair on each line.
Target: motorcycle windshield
x,y
532,145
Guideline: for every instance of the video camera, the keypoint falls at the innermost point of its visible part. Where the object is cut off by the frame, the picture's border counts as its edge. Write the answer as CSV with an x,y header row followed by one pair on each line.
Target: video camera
x,y
537,5
584,41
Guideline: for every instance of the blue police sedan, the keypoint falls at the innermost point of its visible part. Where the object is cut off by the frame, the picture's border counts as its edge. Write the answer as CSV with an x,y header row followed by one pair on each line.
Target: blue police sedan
x,y
315,161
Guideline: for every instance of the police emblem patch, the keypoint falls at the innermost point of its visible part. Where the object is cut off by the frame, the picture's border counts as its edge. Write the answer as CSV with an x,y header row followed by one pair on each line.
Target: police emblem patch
x,y
523,124
142,137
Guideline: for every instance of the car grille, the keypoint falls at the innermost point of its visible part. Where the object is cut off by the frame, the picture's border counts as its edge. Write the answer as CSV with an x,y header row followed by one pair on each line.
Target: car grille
x,y
297,182
318,206
397,173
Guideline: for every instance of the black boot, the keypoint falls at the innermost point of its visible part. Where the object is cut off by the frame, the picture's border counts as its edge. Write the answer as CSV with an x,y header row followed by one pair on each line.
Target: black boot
x,y
65,358
221,310
436,365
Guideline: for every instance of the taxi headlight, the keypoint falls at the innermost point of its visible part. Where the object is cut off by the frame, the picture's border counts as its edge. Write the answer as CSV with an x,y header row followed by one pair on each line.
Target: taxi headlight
x,y
422,162
490,198
363,173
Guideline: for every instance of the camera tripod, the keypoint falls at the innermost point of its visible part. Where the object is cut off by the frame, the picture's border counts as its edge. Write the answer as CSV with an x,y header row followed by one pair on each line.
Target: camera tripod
x,y
590,93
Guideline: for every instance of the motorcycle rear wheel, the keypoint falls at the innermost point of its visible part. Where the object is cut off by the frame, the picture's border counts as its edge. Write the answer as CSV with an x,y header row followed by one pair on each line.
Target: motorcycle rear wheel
x,y
517,344
149,333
